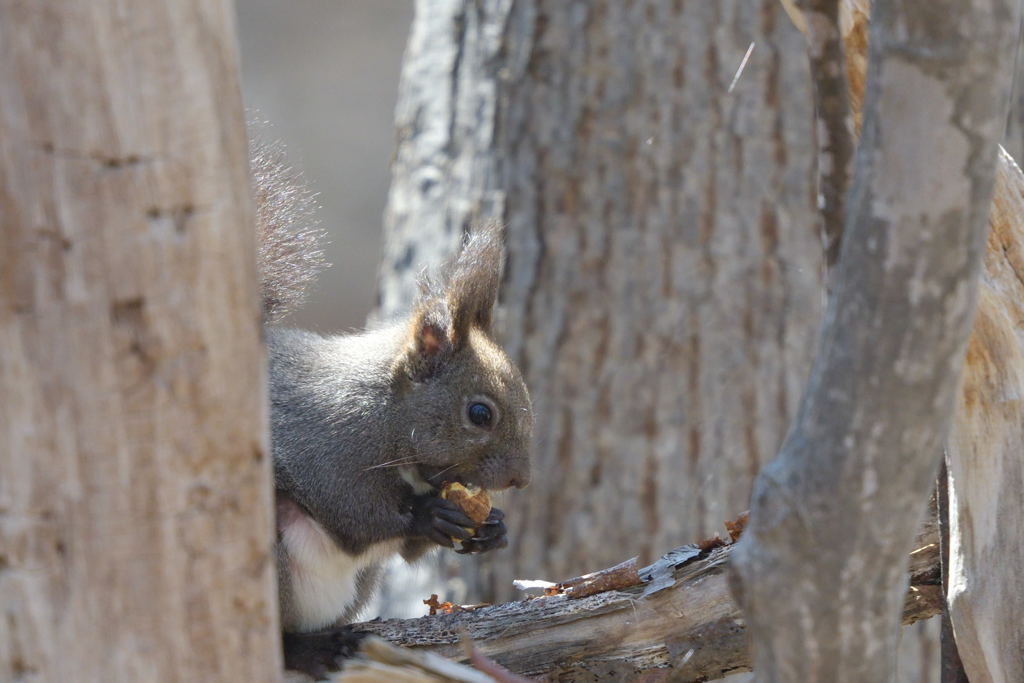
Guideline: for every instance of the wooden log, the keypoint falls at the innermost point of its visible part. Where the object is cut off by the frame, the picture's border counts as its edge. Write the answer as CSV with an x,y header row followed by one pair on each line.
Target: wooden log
x,y
691,627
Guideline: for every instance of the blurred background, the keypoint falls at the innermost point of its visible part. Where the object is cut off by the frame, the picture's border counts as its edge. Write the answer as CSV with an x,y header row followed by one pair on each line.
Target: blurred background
x,y
324,75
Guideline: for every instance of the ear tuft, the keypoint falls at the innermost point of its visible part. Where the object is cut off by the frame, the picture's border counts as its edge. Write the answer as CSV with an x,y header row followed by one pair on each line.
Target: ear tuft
x,y
474,279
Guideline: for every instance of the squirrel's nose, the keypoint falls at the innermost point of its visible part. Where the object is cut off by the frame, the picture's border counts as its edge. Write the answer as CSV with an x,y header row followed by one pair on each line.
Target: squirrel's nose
x,y
517,472
519,480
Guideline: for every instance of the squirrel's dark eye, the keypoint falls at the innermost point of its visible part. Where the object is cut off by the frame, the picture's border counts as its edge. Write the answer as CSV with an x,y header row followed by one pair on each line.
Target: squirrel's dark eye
x,y
479,414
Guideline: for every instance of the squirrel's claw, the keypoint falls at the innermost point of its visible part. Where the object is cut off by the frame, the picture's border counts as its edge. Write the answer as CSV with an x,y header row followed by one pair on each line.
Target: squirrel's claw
x,y
492,535
450,512
440,521
453,530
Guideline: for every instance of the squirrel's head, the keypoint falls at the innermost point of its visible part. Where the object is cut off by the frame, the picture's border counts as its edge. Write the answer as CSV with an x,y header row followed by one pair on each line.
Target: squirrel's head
x,y
473,419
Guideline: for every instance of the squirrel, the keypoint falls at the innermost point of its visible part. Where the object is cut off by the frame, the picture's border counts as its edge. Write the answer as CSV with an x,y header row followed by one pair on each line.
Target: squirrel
x,y
367,427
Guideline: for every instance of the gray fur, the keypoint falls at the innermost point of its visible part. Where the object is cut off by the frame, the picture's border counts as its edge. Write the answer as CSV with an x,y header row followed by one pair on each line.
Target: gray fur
x,y
347,410
288,234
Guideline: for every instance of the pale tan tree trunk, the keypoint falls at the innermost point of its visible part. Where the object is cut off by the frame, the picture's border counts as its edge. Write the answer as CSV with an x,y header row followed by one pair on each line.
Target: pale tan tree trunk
x,y
135,484
984,459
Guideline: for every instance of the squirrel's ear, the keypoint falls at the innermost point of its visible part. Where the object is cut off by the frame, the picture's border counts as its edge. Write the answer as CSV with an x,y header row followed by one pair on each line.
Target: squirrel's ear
x,y
474,279
430,341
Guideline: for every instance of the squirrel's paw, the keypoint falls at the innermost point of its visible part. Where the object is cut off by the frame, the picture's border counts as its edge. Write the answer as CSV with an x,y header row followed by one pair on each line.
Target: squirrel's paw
x,y
491,535
441,521
317,654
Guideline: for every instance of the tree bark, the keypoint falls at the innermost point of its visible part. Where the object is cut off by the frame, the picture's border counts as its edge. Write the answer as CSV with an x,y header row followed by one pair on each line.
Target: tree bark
x,y
135,499
859,461
664,277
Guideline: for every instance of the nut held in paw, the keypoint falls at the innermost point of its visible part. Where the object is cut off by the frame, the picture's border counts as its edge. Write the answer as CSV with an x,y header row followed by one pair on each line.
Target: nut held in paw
x,y
472,500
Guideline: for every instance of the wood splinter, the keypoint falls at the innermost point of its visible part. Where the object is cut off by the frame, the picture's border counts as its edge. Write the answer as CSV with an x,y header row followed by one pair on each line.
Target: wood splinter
x,y
622,575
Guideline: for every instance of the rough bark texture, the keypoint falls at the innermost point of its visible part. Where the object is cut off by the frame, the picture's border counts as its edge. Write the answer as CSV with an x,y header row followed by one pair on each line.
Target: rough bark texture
x,y
663,282
135,508
859,462
689,630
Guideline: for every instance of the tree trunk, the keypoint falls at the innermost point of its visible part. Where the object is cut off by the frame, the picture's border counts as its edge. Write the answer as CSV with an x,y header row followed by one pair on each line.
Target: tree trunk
x,y
985,467
857,466
664,278
135,495
664,272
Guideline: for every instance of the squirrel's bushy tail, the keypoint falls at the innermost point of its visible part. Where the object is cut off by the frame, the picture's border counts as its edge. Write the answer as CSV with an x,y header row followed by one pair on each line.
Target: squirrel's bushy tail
x,y
288,234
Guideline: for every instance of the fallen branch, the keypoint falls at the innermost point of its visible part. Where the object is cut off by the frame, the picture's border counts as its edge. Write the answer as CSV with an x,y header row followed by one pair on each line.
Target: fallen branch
x,y
680,618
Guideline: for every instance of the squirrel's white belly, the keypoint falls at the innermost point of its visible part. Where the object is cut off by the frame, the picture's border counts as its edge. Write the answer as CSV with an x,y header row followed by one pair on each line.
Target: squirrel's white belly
x,y
323,577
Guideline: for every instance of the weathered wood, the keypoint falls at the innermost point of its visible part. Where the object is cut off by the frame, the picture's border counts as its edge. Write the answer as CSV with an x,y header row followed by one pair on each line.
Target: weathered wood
x,y
691,629
860,457
135,485
985,466
986,438
951,667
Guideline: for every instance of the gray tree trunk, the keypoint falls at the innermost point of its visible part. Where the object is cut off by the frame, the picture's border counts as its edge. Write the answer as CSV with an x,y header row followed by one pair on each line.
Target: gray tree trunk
x,y
855,471
664,279
135,482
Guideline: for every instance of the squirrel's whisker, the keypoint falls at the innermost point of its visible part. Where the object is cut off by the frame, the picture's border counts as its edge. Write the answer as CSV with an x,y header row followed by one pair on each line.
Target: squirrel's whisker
x,y
445,470
411,460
